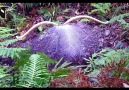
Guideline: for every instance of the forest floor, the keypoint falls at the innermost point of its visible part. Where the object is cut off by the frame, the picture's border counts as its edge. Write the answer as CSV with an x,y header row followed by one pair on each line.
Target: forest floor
x,y
115,35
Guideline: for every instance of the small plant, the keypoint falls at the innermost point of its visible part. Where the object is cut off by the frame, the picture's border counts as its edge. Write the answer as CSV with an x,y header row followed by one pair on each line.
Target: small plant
x,y
104,57
17,21
75,79
31,5
60,71
111,75
120,19
5,78
101,8
49,14
14,20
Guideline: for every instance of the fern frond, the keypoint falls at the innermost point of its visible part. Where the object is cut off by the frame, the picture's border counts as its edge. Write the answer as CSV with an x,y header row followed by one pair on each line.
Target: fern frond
x,y
47,59
2,72
111,55
7,35
62,70
7,42
34,73
4,30
5,78
106,56
10,52
119,18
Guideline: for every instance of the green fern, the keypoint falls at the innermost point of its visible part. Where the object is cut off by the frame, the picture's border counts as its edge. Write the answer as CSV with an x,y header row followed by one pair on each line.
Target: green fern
x,y
100,59
101,8
17,20
110,54
2,72
120,19
48,14
5,78
8,42
61,71
5,35
10,52
2,36
47,59
34,73
24,57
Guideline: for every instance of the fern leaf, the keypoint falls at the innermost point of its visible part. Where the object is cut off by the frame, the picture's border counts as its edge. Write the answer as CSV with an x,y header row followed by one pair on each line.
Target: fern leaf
x,y
62,70
2,72
5,78
5,34
34,73
119,18
112,55
7,42
10,52
2,36
47,59
4,30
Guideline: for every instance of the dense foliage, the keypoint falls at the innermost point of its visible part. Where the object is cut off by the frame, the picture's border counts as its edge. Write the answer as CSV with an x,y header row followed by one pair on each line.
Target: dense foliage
x,y
23,66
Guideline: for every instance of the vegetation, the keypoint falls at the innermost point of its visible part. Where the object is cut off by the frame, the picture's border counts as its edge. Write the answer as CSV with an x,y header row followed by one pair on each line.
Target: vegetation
x,y
108,67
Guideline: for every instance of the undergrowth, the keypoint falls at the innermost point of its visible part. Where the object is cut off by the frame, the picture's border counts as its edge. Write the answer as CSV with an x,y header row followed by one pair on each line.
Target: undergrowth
x,y
107,68
6,39
104,57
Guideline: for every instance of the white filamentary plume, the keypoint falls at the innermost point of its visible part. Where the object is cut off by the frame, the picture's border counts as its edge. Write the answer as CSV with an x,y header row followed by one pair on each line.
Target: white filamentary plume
x,y
71,39
52,23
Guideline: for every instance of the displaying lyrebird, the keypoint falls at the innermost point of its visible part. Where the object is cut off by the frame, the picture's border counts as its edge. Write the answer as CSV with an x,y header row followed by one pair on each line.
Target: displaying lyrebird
x,y
68,41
